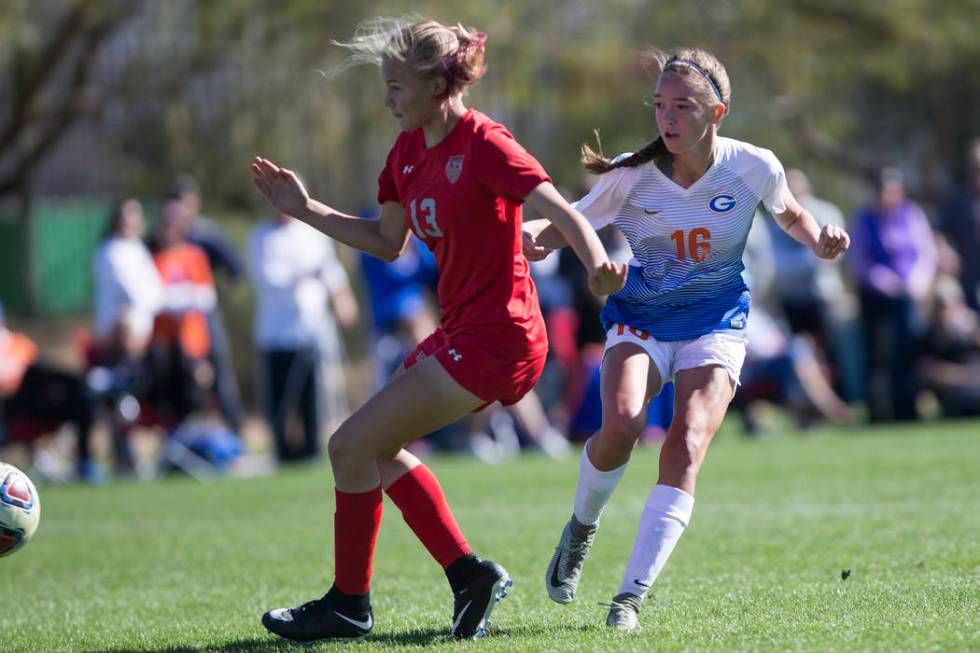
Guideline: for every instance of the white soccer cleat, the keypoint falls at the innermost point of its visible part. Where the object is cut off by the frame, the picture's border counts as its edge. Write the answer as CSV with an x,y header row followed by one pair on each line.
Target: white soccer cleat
x,y
565,568
624,613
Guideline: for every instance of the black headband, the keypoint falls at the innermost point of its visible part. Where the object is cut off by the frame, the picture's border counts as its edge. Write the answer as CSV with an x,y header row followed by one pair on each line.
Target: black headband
x,y
701,71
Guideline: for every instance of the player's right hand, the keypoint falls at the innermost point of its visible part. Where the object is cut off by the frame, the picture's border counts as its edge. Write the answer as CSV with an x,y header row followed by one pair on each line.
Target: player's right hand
x,y
608,278
532,250
280,186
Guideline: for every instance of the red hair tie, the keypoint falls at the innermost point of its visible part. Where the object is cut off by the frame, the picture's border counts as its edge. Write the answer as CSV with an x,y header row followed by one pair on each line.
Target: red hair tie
x,y
454,61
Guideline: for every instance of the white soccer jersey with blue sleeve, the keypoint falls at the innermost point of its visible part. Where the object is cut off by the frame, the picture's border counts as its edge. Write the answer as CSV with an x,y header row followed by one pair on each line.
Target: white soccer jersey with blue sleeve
x,y
685,277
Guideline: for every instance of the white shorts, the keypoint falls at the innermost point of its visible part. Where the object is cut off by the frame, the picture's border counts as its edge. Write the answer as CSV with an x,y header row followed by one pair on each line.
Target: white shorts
x,y
723,348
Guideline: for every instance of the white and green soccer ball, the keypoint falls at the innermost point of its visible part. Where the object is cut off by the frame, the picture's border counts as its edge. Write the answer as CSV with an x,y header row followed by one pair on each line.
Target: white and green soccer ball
x,y
20,509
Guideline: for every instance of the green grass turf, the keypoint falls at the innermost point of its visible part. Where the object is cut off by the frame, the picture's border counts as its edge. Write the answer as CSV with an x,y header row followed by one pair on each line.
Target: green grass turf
x,y
179,566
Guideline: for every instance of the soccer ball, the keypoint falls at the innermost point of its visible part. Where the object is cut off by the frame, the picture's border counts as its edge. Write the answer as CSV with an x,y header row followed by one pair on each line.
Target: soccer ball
x,y
20,509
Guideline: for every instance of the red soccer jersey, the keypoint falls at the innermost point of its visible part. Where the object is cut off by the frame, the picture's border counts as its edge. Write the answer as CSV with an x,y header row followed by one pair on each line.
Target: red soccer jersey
x,y
463,199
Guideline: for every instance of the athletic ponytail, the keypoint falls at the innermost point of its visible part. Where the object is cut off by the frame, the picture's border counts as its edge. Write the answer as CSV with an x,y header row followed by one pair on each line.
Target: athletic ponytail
x,y
598,164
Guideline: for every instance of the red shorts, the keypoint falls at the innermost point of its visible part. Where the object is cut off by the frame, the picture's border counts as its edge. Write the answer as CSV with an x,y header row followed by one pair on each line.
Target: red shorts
x,y
477,369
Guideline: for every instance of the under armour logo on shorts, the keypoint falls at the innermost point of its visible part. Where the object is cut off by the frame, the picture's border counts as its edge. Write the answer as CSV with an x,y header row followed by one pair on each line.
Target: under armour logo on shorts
x,y
456,355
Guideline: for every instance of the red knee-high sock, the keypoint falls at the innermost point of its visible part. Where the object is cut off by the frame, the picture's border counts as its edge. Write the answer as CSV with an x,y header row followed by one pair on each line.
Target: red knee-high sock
x,y
419,496
355,530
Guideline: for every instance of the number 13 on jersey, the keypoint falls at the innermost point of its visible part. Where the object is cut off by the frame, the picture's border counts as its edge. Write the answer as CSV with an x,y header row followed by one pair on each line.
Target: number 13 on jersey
x,y
426,209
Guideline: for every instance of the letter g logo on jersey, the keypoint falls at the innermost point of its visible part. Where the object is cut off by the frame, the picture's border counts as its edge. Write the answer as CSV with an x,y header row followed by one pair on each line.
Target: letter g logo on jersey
x,y
722,203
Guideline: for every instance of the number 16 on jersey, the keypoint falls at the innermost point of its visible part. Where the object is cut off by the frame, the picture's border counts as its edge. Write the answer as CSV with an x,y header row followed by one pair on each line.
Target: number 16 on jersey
x,y
698,243
429,227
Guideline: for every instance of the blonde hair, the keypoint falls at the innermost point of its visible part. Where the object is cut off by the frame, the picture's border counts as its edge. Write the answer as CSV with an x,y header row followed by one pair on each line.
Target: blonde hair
x,y
429,48
712,86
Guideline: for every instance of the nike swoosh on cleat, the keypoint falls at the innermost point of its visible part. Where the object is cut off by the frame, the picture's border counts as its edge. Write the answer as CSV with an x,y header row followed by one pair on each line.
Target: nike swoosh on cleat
x,y
363,625
461,613
555,581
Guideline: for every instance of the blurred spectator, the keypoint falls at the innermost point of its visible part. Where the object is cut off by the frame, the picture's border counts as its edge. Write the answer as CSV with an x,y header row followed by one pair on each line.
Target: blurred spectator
x,y
494,435
805,286
205,232
555,296
298,281
127,286
177,362
893,259
961,226
128,294
758,257
223,258
809,292
402,314
41,397
782,368
950,361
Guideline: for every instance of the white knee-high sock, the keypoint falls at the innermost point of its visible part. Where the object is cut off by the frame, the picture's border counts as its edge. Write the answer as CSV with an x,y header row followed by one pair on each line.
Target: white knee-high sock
x,y
665,516
594,489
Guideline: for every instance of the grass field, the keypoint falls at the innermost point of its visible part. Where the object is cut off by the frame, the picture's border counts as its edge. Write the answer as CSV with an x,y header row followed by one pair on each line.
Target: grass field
x,y
179,566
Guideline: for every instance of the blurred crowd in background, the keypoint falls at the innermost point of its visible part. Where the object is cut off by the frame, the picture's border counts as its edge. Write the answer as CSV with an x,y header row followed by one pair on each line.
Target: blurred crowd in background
x,y
891,333
227,344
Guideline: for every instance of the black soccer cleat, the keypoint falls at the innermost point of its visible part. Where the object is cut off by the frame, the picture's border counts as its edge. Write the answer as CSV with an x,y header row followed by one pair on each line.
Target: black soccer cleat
x,y
473,604
317,619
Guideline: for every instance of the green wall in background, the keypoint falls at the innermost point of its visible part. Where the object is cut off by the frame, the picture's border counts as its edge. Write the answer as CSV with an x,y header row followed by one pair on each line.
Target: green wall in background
x,y
64,234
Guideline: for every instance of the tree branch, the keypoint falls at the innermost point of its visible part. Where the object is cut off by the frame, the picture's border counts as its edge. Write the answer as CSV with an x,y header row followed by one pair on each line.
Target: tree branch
x,y
49,61
44,129
825,148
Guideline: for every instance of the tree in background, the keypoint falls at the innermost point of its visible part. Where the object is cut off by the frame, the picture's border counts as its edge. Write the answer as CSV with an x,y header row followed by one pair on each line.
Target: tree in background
x,y
139,90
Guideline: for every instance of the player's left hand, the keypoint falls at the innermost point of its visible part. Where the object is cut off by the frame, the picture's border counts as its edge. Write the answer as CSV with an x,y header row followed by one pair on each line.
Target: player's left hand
x,y
532,250
608,278
833,242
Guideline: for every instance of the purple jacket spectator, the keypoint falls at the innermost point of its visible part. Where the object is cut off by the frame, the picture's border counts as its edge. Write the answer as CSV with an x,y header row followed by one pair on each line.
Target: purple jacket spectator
x,y
893,252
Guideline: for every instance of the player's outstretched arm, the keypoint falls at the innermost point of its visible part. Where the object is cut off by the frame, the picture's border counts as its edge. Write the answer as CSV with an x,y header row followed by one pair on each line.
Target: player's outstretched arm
x,y
604,277
384,238
828,243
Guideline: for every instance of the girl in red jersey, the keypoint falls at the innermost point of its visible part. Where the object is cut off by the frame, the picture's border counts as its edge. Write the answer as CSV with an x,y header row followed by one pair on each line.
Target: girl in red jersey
x,y
456,180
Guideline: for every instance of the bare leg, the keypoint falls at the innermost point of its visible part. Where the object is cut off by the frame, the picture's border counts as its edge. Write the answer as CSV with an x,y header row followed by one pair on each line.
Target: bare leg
x,y
702,398
629,381
419,401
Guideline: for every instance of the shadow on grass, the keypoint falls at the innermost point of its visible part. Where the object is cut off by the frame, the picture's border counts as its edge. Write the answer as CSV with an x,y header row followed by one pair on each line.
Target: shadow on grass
x,y
240,646
413,638
425,636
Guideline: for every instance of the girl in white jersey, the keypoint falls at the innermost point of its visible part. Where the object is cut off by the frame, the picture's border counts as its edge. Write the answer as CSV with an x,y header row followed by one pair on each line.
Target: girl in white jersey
x,y
685,203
